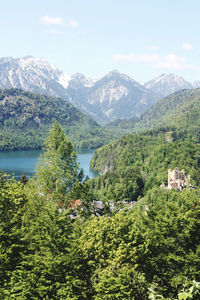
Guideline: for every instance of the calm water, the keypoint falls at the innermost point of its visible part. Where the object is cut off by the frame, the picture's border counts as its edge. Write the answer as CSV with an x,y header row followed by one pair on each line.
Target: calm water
x,y
18,163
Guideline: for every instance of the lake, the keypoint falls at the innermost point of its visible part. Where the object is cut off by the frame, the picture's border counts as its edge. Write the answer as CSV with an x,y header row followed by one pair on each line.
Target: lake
x,y
18,163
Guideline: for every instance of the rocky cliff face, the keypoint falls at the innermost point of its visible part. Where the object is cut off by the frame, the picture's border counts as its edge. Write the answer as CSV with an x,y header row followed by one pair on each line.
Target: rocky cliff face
x,y
112,97
33,74
115,96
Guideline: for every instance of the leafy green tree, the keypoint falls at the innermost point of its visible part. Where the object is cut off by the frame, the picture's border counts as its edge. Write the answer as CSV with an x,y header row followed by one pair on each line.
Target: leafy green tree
x,y
49,268
156,243
12,203
58,170
191,291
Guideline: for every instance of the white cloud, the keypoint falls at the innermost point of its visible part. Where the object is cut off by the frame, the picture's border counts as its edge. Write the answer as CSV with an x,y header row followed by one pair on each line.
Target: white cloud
x,y
187,46
53,31
153,47
73,23
46,20
170,61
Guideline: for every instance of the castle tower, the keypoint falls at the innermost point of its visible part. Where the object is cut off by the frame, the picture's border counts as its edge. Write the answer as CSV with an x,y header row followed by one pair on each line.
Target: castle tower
x,y
176,179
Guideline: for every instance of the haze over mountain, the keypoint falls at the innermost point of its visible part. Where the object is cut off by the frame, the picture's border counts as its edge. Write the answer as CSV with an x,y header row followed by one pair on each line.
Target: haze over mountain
x,y
181,109
25,119
169,83
115,96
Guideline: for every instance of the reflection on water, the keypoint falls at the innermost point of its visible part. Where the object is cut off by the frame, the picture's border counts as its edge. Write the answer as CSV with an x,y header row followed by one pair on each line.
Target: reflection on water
x,y
19,163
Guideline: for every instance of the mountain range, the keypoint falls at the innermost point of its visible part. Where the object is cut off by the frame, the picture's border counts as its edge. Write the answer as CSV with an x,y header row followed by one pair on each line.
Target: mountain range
x,y
25,119
115,96
178,112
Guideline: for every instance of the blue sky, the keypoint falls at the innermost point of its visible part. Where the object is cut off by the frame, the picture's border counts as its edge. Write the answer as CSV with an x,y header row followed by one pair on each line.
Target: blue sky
x,y
142,38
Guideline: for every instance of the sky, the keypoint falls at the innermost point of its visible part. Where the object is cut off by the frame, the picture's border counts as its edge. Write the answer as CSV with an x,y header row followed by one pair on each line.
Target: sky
x,y
140,38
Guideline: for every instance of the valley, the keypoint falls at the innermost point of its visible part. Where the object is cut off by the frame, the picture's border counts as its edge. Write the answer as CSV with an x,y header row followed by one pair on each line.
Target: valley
x,y
114,96
124,229
100,150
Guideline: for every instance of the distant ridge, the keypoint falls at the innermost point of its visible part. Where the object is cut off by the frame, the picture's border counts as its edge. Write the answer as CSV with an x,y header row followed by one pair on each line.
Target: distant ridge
x,y
181,109
25,119
167,84
178,111
114,96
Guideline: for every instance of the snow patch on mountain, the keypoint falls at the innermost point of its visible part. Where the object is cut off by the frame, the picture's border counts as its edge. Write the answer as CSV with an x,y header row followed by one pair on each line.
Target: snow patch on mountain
x,y
114,96
196,84
167,84
63,80
33,74
79,80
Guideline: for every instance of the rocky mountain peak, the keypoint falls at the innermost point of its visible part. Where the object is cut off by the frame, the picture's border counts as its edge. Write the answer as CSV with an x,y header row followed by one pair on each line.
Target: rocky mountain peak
x,y
79,80
116,74
115,95
32,74
167,83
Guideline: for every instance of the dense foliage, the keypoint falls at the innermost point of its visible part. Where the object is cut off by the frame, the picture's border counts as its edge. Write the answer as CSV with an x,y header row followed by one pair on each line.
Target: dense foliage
x,y
152,247
12,203
155,244
25,119
134,164
52,249
180,109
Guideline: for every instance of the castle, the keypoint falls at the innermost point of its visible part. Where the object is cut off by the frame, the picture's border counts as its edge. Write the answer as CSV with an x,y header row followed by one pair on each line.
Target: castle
x,y
177,179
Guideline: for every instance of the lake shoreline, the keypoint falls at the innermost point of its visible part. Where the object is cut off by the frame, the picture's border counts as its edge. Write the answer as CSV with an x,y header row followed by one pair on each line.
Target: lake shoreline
x,y
18,163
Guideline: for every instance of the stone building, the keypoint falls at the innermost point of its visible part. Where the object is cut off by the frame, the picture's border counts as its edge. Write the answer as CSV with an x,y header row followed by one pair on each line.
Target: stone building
x,y
177,179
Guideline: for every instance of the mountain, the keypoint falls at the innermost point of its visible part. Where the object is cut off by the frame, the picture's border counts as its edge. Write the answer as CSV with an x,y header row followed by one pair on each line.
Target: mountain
x,y
196,84
167,84
113,96
181,110
25,119
33,74
78,81
169,138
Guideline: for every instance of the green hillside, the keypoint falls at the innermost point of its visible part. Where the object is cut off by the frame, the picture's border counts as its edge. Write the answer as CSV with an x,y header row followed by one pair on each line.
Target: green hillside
x,y
179,111
25,119
55,244
133,164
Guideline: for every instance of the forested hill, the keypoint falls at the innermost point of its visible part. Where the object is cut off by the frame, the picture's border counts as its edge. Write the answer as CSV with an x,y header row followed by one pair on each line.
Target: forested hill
x,y
133,164
52,248
179,111
25,119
